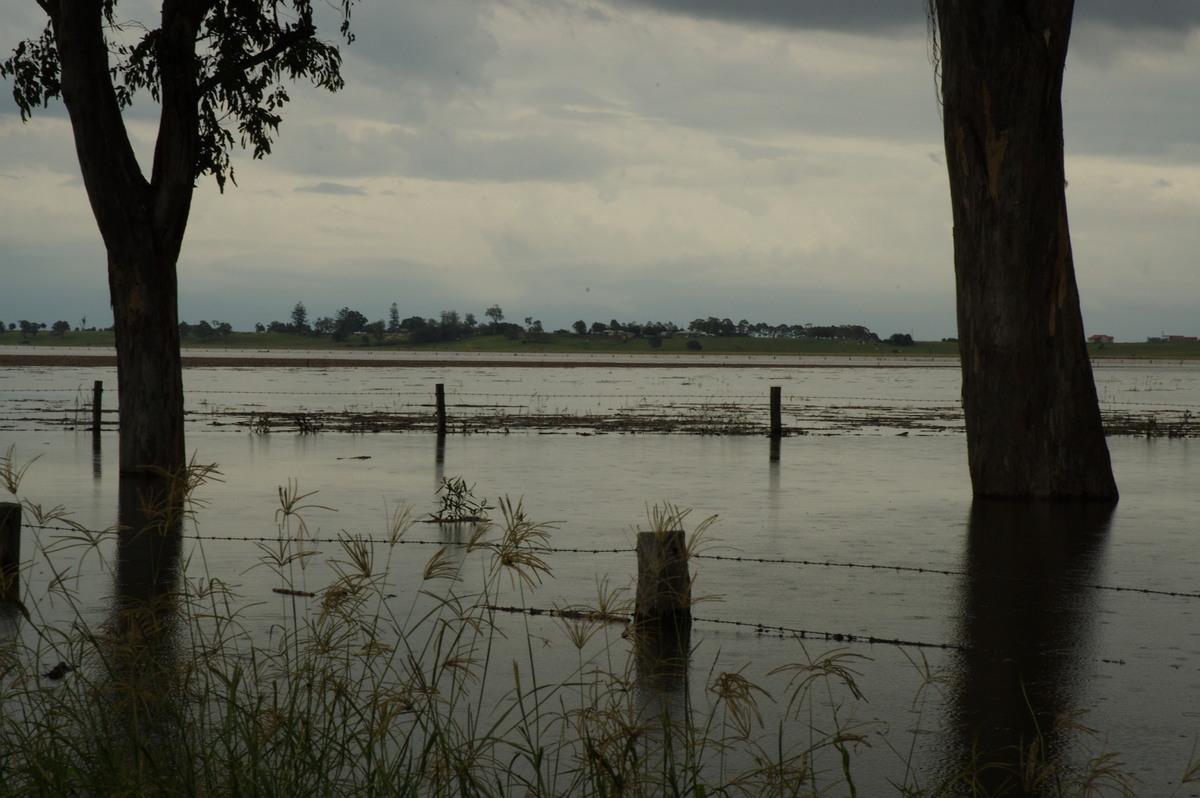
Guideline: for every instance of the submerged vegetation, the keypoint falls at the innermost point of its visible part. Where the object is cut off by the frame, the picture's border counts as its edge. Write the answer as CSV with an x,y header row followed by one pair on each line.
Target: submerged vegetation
x,y
360,678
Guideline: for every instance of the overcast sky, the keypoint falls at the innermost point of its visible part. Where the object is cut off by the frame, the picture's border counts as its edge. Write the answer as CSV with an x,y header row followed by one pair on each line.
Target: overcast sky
x,y
768,160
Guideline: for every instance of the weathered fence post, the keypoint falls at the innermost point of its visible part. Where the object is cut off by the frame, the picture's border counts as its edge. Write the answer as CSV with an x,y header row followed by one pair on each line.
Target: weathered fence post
x,y
439,392
97,392
776,412
664,589
663,613
10,550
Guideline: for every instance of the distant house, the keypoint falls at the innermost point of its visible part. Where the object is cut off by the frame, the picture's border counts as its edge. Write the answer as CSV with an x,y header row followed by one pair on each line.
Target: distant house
x,y
1179,338
1100,339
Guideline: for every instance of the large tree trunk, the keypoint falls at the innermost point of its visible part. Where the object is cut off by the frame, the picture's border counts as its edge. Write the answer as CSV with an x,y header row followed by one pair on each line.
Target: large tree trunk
x,y
149,369
141,222
1032,416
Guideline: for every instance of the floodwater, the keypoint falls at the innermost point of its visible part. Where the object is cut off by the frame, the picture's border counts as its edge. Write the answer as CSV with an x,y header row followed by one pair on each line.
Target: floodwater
x,y
858,532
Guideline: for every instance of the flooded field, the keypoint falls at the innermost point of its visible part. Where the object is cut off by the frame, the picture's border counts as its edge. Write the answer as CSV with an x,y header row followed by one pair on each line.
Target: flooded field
x,y
855,532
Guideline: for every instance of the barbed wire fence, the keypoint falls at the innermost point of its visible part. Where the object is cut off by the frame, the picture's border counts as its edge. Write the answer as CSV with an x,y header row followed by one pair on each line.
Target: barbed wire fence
x,y
374,411
468,412
757,628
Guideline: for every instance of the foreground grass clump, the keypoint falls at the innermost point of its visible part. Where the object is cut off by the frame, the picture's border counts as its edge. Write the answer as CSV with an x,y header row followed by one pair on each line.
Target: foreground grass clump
x,y
375,683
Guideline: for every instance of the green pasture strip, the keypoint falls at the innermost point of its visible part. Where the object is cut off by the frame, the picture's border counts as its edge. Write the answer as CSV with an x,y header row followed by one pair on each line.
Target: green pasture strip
x,y
593,344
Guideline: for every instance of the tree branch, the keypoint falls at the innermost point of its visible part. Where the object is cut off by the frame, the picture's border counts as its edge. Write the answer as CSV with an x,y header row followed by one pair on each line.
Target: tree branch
x,y
287,40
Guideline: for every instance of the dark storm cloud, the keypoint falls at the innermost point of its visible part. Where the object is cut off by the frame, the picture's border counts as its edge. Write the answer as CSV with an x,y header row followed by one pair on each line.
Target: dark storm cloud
x,y
443,46
878,16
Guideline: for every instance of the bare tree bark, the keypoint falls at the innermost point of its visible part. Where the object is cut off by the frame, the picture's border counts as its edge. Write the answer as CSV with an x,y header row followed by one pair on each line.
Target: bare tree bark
x,y
1032,415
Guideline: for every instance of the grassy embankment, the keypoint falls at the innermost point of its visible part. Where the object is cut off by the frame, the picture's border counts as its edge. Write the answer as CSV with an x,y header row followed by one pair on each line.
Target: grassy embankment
x,y
567,344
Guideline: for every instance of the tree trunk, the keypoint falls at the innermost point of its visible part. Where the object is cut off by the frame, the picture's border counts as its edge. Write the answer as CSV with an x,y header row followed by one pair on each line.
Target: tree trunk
x,y
142,223
1032,416
149,369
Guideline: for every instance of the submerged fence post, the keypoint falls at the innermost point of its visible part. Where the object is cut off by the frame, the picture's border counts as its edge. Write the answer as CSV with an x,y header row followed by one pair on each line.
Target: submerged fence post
x,y
439,392
664,589
776,412
10,550
97,392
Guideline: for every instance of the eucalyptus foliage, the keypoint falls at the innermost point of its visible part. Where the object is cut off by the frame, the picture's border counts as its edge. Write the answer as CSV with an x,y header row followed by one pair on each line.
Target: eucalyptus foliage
x,y
217,69
244,53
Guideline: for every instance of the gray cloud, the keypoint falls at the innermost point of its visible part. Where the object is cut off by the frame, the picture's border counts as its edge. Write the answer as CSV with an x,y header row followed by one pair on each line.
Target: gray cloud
x,y
756,152
881,16
1168,14
340,189
536,157
640,159
441,47
876,16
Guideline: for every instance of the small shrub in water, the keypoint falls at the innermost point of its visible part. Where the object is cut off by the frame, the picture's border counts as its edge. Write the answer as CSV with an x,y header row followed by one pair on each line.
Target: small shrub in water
x,y
459,502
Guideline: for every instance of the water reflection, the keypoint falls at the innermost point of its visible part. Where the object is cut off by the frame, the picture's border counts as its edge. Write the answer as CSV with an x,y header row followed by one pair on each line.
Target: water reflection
x,y
137,647
663,654
97,455
10,569
1026,621
439,459
663,658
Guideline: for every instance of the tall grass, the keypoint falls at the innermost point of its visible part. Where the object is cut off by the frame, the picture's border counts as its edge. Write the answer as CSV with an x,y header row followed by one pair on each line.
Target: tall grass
x,y
355,684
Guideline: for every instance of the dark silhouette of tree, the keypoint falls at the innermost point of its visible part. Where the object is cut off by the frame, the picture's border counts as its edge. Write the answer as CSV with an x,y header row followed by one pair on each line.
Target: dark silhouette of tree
x,y
300,319
1032,416
347,323
496,315
217,70
377,329
29,328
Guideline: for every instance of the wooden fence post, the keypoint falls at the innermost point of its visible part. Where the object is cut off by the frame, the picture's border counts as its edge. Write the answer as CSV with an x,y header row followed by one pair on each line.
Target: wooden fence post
x,y
10,550
664,589
776,413
97,391
439,392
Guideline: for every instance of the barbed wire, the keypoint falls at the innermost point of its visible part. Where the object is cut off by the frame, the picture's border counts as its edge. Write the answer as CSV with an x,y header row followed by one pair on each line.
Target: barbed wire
x,y
759,629
913,569
688,398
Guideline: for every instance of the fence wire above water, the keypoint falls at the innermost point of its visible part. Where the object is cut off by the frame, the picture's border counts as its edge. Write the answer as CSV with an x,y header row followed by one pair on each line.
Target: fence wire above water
x,y
470,412
757,628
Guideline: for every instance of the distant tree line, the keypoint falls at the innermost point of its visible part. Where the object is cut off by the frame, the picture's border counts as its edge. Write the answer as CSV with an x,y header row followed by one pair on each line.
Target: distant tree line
x,y
205,330
450,325
28,329
838,332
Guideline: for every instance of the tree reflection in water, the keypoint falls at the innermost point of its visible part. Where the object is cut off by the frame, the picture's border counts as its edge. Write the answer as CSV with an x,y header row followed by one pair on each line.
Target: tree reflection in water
x,y
137,646
1026,618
